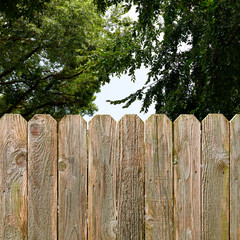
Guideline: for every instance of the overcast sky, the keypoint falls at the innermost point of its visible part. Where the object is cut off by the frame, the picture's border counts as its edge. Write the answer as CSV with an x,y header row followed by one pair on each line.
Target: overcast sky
x,y
119,88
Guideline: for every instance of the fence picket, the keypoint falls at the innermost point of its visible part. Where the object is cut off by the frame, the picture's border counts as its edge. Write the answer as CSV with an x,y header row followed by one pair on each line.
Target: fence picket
x,y
235,178
102,179
130,178
158,178
187,202
42,178
72,175
215,177
13,177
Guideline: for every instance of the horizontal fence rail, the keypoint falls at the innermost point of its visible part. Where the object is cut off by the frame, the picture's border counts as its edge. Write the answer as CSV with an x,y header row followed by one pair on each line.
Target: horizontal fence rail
x,y
125,180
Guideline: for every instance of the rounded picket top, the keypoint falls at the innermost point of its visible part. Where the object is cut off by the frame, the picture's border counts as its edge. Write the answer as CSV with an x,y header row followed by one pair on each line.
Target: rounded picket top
x,y
17,126
103,124
73,119
235,124
101,117
40,123
130,117
12,117
214,117
42,117
68,117
186,117
158,117
236,118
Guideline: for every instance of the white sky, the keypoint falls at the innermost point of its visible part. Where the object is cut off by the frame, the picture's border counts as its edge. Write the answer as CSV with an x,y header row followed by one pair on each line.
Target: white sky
x,y
119,88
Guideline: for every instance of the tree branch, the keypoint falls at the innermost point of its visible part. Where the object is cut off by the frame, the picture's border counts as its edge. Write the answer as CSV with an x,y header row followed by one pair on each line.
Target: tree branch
x,y
11,82
23,96
6,72
57,76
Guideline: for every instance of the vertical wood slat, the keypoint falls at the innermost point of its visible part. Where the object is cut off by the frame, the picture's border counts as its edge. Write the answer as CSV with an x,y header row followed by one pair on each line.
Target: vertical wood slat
x,y
13,177
187,194
215,177
42,152
102,179
130,178
235,178
42,178
72,166
158,178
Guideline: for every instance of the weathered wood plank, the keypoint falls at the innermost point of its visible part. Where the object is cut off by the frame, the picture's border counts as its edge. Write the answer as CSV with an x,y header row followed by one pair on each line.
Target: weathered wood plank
x,y
42,178
215,177
158,178
187,178
72,166
235,178
130,178
102,179
13,177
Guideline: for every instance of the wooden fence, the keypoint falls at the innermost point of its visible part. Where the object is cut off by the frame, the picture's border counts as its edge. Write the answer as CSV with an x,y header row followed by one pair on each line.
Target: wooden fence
x,y
128,180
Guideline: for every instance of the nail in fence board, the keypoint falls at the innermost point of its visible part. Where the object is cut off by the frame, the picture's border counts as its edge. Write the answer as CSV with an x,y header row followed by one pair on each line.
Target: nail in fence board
x,y
102,179
235,178
158,178
72,166
130,178
187,194
42,178
13,177
215,177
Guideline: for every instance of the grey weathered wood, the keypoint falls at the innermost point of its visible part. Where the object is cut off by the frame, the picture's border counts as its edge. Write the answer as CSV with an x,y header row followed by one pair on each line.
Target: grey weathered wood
x,y
72,166
102,179
235,178
215,177
130,178
158,178
13,177
42,178
187,193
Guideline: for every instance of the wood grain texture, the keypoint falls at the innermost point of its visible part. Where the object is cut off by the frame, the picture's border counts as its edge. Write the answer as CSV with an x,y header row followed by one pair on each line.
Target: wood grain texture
x,y
13,177
215,177
72,166
235,178
187,177
42,178
130,178
158,178
102,179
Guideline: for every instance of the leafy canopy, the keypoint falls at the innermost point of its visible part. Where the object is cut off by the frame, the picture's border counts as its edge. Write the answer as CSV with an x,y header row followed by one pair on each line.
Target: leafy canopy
x,y
48,62
14,9
192,49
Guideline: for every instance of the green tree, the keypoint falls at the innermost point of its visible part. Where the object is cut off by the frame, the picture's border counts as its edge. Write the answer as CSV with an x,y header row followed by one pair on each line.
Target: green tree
x,y
16,8
202,78
48,62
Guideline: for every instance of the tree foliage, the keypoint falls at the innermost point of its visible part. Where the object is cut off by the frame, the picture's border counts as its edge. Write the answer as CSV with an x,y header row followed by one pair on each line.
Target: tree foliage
x,y
192,49
14,9
48,61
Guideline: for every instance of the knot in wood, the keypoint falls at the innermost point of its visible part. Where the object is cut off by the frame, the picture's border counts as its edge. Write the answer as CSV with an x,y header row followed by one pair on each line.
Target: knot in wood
x,y
150,221
20,159
62,166
35,129
110,230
